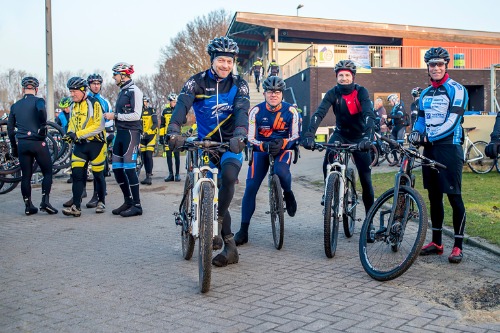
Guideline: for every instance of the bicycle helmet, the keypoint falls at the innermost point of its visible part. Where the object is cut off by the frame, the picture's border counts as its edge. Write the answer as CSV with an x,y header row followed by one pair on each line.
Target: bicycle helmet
x,y
392,97
437,54
172,97
274,83
145,99
345,65
65,102
77,83
94,77
415,92
222,46
123,68
29,81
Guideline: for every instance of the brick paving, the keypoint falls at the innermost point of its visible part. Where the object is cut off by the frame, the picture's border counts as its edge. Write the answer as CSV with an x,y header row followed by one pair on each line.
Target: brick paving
x,y
103,273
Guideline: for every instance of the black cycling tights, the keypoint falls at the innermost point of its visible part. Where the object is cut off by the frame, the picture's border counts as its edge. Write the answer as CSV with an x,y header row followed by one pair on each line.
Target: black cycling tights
x,y
177,161
437,216
29,151
147,159
228,177
363,161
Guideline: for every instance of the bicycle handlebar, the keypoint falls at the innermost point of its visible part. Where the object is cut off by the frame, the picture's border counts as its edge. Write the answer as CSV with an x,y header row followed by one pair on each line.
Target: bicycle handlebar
x,y
413,152
350,147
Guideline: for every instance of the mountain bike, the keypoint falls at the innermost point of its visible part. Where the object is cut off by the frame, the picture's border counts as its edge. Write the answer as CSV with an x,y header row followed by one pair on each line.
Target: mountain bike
x,y
276,202
394,229
340,197
197,213
474,154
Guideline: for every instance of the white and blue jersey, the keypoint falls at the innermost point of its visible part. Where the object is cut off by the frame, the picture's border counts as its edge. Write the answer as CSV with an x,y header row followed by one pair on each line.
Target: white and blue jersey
x,y
441,111
219,106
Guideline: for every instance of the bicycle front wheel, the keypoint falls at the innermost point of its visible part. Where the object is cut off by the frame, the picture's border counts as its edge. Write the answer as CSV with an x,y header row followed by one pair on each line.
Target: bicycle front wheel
x,y
276,211
330,215
395,244
186,215
497,164
206,234
477,160
350,203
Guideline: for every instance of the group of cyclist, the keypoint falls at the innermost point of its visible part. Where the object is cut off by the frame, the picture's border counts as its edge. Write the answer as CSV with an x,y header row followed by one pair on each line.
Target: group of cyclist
x,y
221,104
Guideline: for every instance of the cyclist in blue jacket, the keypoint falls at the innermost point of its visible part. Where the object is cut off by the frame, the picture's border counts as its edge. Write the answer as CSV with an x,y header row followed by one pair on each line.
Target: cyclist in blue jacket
x,y
438,128
220,101
273,129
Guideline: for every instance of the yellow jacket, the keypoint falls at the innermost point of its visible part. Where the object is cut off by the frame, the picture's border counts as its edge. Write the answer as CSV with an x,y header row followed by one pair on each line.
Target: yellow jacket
x,y
86,120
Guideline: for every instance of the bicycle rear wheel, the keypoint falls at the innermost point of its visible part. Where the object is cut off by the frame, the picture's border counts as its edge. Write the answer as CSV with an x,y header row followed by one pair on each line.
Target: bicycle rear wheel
x,y
350,203
330,219
276,211
186,214
497,164
477,160
393,252
206,234
7,186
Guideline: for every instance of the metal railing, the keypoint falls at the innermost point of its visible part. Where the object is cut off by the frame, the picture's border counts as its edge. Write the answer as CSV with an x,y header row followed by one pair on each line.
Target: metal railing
x,y
397,57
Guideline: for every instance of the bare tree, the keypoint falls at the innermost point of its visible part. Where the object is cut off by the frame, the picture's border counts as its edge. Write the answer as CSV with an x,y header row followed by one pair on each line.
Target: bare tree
x,y
186,54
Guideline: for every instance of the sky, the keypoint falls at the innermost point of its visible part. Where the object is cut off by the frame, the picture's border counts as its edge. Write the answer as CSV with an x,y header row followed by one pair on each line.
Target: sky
x,y
94,35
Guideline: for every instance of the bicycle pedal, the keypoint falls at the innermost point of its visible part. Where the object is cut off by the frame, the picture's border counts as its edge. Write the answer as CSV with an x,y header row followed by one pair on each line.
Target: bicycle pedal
x,y
178,221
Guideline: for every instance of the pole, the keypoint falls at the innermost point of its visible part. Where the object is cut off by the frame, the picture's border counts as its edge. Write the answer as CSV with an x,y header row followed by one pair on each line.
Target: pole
x,y
49,61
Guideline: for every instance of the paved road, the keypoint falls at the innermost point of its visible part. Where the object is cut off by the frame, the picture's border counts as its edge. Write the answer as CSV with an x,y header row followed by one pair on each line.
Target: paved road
x,y
102,273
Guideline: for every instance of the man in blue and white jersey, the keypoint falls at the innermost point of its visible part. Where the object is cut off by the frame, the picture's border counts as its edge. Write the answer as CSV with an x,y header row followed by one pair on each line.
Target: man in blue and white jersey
x,y
221,102
438,128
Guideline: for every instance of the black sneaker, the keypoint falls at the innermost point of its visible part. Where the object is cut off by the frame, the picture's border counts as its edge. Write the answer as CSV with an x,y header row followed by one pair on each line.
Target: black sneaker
x,y
291,204
241,237
93,202
170,178
122,208
132,211
68,203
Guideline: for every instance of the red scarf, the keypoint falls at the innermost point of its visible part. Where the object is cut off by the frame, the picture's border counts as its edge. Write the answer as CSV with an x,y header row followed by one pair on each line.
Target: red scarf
x,y
438,83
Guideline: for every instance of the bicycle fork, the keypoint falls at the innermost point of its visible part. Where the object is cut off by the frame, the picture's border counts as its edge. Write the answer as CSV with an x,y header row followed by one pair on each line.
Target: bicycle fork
x,y
196,198
336,166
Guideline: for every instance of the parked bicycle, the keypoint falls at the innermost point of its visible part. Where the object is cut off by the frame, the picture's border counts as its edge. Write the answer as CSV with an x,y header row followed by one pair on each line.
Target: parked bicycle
x,y
394,229
381,151
197,213
474,154
340,197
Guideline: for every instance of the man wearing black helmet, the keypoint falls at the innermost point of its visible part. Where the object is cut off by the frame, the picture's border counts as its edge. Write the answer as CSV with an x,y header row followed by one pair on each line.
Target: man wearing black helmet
x,y
220,101
86,131
257,70
148,139
29,116
127,116
95,85
164,121
273,130
438,128
354,123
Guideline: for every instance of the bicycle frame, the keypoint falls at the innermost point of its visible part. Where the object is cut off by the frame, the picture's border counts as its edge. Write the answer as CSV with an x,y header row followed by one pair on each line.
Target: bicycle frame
x,y
404,177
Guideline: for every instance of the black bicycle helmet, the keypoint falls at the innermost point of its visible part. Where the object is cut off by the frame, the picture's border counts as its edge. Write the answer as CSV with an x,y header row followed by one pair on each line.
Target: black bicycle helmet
x,y
29,81
94,77
172,97
274,83
345,65
77,83
222,46
436,53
